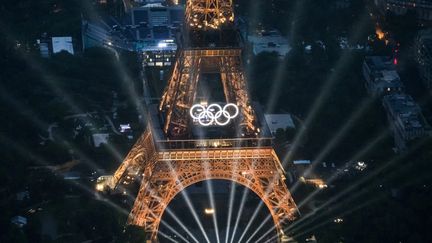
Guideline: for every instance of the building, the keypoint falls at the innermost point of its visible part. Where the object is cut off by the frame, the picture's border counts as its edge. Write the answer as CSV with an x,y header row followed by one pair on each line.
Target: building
x,y
52,45
19,221
60,44
71,175
99,33
44,45
156,29
381,76
302,162
23,196
150,30
269,41
279,121
423,8
99,139
406,119
424,56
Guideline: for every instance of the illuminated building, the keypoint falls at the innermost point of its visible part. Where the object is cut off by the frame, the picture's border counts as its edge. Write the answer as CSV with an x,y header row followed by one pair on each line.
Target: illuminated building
x,y
269,41
62,44
150,30
52,45
279,121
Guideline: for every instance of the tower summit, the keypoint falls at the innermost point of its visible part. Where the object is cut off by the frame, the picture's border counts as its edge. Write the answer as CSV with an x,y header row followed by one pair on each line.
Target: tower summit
x,y
209,14
210,52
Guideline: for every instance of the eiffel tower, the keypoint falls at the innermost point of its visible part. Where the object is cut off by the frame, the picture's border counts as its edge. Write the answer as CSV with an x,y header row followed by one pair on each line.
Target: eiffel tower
x,y
189,140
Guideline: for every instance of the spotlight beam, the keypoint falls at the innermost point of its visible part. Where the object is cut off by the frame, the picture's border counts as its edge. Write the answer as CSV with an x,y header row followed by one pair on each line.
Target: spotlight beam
x,y
281,69
266,233
251,220
361,195
211,196
60,93
374,200
25,153
76,109
232,198
189,203
366,149
212,204
167,237
174,231
171,213
333,177
358,183
50,82
343,62
259,227
341,133
120,68
33,117
194,214
347,190
37,159
358,207
243,201
230,207
240,211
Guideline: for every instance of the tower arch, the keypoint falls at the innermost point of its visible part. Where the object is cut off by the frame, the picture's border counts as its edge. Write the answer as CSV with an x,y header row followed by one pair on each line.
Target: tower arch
x,y
229,212
255,169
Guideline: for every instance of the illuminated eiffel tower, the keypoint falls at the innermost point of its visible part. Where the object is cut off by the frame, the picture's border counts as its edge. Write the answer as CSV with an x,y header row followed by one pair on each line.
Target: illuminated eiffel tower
x,y
188,140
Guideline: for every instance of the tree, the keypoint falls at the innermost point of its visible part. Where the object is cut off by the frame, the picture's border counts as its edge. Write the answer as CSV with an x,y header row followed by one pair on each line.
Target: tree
x,y
280,135
290,133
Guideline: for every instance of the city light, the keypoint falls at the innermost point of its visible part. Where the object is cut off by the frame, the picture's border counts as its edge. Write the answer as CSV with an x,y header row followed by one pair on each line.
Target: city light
x,y
338,220
209,211
162,45
100,187
361,165
379,33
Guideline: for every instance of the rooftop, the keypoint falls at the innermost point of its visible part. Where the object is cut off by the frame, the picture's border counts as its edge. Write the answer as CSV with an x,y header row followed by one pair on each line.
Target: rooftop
x,y
63,43
406,109
269,41
380,63
275,121
381,69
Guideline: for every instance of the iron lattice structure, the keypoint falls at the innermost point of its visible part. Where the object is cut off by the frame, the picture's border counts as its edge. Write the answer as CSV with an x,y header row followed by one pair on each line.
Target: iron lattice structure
x,y
168,164
209,14
166,172
180,94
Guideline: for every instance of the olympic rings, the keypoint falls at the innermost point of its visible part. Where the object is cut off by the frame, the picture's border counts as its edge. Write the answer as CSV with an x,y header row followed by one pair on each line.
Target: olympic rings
x,y
214,114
